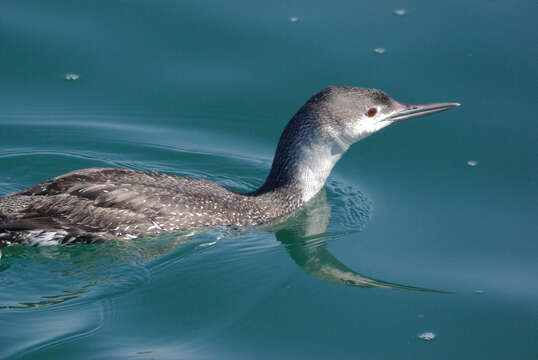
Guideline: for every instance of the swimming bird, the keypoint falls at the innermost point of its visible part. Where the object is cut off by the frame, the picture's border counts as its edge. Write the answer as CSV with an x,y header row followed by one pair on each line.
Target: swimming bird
x,y
100,204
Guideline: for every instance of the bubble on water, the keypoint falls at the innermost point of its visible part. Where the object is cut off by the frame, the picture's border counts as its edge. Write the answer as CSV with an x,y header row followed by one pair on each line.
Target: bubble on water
x,y
427,336
400,12
472,163
294,19
420,316
479,291
71,77
380,50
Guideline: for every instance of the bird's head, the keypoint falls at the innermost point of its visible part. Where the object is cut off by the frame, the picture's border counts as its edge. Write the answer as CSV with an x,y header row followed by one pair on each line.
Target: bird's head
x,y
348,114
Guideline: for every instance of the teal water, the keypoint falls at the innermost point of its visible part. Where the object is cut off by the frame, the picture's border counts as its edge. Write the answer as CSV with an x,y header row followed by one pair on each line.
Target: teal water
x,y
406,238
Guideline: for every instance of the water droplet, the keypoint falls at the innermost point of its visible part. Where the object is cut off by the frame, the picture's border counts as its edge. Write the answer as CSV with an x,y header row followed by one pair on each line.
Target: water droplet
x,y
71,77
380,50
400,12
427,336
472,163
294,19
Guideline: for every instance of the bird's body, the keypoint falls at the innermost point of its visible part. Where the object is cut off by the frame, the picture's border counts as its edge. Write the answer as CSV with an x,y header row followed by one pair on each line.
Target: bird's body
x,y
100,204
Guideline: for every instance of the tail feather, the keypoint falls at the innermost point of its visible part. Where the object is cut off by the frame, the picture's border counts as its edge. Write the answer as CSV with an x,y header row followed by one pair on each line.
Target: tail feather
x,y
42,231
20,225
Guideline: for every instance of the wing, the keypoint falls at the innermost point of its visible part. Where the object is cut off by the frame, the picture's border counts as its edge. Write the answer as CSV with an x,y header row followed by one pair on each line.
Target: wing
x,y
124,204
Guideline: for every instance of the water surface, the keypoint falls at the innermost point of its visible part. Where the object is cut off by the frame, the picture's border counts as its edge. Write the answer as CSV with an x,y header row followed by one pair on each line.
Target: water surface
x,y
406,239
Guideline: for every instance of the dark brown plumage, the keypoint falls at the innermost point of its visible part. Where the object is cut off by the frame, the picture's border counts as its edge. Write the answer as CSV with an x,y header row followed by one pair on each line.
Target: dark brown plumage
x,y
112,204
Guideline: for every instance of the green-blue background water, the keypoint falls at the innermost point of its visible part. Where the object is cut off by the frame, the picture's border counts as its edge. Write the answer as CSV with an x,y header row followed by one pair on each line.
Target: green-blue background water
x,y
203,88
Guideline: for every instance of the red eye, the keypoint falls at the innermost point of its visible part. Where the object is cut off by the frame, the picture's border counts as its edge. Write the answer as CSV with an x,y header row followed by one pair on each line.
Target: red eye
x,y
372,112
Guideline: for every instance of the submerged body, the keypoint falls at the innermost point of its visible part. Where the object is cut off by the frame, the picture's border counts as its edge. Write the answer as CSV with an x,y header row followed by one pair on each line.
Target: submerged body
x,y
102,204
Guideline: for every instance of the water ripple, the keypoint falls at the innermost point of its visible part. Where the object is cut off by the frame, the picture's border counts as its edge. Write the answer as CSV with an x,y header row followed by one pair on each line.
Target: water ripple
x,y
85,273
349,204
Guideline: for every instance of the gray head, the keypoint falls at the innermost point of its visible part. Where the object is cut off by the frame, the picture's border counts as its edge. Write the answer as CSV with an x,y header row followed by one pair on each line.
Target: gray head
x,y
326,126
347,114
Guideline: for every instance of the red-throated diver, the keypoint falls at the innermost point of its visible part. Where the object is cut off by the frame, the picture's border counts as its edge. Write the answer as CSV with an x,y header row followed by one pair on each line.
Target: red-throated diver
x,y
100,204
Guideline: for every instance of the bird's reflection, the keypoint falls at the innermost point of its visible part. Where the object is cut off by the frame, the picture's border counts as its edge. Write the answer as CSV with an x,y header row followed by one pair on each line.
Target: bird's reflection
x,y
67,273
305,237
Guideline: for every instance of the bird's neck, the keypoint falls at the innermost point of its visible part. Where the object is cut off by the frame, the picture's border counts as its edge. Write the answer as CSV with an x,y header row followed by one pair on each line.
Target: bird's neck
x,y
301,167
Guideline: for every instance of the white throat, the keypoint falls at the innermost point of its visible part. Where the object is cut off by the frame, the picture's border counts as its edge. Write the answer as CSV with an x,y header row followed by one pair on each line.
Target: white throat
x,y
315,161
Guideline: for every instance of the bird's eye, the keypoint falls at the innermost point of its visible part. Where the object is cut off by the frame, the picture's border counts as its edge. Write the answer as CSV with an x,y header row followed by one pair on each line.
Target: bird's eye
x,y
371,112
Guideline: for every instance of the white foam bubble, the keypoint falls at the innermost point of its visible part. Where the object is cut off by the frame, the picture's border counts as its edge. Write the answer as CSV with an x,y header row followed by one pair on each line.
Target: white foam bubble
x,y
472,163
71,77
400,12
380,50
294,19
427,336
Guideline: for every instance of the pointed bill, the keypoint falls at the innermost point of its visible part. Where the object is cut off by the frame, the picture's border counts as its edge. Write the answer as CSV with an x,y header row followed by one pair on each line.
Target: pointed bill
x,y
416,110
